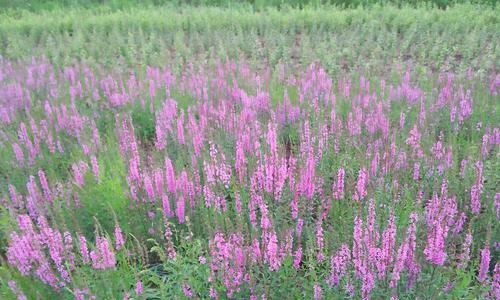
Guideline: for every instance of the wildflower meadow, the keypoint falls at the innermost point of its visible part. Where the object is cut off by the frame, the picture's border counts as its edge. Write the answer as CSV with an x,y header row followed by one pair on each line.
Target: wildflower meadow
x,y
238,150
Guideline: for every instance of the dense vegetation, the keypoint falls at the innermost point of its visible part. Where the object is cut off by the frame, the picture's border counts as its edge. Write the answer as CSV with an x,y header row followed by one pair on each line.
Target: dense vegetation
x,y
231,152
373,39
256,4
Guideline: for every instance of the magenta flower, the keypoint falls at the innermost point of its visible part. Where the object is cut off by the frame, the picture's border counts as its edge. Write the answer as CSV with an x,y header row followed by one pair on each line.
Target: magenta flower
x,y
18,152
338,192
361,185
485,264
138,288
45,185
496,281
297,258
339,264
186,289
102,256
119,240
179,210
317,292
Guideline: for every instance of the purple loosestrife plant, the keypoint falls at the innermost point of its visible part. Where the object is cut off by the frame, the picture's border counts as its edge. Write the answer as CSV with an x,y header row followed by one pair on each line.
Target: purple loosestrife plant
x,y
102,256
259,158
484,264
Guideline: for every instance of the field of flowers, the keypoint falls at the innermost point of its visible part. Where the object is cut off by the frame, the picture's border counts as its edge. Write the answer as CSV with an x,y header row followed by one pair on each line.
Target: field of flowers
x,y
229,153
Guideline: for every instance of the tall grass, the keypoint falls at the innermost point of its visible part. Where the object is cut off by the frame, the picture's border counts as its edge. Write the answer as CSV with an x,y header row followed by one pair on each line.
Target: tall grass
x,y
342,38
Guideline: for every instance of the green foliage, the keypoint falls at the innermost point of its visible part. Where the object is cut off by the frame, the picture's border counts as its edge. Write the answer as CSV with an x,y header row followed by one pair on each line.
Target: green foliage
x,y
43,5
428,38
